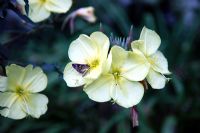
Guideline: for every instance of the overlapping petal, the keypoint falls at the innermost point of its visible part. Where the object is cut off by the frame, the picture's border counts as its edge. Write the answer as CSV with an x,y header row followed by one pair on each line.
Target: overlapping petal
x,y
151,40
156,80
82,49
136,66
137,44
7,99
102,41
72,77
107,64
36,105
15,76
37,12
34,79
94,73
159,63
99,90
127,93
14,111
119,56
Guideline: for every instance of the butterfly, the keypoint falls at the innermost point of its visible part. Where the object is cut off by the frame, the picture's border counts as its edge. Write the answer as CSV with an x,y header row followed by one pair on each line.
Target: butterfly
x,y
81,68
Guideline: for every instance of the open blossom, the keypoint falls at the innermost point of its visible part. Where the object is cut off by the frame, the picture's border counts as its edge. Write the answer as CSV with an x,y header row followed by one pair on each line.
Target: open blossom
x,y
88,55
148,45
40,10
19,95
118,81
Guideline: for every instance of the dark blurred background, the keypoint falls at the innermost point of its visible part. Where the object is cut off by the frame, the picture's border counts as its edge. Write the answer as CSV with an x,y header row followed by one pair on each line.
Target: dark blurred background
x,y
174,109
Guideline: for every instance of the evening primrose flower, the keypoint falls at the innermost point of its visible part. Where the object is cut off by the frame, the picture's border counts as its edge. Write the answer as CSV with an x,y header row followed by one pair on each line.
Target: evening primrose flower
x,y
148,45
118,81
19,95
40,10
88,55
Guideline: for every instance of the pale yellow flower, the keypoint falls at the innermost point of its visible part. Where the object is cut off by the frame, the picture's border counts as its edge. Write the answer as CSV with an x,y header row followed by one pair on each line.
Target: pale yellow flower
x,y
88,55
19,95
40,10
118,80
148,45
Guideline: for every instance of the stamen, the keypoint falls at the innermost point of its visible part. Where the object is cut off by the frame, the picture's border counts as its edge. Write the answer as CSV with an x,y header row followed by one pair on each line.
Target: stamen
x,y
116,74
19,91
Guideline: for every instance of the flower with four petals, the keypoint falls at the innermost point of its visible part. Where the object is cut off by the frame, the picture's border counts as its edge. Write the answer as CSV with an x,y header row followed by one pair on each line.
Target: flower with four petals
x,y
88,55
19,95
157,65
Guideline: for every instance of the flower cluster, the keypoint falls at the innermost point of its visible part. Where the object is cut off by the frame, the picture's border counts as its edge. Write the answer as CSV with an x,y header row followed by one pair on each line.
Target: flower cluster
x,y
106,74
19,95
116,73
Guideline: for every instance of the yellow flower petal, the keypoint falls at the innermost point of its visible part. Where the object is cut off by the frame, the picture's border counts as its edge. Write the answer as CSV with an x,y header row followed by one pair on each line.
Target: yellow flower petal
x,y
119,55
99,90
151,41
28,78
107,64
15,76
82,49
94,73
159,63
58,6
7,99
36,105
40,10
156,80
14,111
137,44
34,79
37,12
102,42
72,77
127,93
3,83
135,67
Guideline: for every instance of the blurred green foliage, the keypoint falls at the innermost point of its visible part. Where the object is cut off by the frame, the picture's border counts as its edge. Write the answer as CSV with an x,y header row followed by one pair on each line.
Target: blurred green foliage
x,y
176,108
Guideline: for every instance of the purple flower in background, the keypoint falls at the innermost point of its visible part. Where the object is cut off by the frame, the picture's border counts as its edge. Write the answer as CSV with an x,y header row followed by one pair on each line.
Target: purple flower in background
x,y
13,22
189,4
126,2
188,9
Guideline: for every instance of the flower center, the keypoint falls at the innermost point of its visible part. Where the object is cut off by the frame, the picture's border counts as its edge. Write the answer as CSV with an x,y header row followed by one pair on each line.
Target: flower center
x,y
94,63
116,73
20,91
151,61
42,1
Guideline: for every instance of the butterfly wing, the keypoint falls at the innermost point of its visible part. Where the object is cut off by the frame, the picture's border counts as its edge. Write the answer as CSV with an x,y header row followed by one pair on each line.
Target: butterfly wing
x,y
81,68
